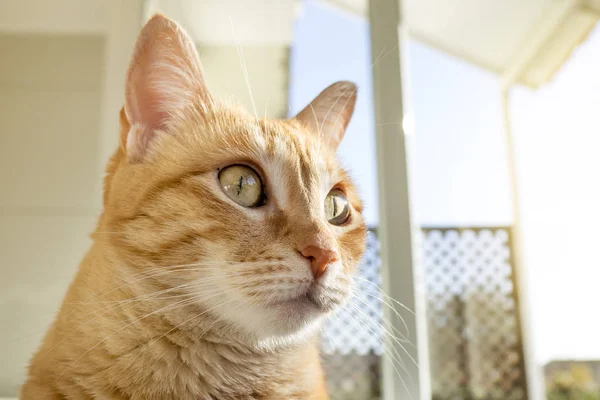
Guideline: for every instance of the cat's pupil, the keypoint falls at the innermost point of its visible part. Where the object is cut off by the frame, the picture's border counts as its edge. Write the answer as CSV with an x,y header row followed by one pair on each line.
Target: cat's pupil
x,y
337,209
242,185
241,182
335,206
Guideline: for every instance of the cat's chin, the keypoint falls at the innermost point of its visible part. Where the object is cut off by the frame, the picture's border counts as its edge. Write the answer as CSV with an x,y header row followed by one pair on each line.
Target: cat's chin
x,y
284,323
294,316
303,306
299,318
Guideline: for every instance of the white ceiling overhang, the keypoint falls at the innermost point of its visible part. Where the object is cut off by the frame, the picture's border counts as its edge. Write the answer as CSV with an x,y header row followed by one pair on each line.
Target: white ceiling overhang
x,y
522,41
214,22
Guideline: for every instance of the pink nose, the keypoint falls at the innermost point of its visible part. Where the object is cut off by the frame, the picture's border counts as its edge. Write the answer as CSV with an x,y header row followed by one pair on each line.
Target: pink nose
x,y
319,259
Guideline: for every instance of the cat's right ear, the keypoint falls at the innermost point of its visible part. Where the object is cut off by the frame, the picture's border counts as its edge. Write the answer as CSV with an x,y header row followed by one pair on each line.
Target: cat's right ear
x,y
328,115
165,74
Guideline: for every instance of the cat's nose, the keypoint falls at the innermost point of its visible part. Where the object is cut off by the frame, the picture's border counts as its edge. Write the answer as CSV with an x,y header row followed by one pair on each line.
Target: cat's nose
x,y
319,259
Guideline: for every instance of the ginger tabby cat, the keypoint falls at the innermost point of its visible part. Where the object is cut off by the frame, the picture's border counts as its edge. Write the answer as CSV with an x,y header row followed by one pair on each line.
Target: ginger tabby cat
x,y
224,242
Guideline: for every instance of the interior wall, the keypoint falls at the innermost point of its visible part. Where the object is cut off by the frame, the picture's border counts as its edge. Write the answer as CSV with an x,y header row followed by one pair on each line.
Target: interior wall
x,y
255,76
50,100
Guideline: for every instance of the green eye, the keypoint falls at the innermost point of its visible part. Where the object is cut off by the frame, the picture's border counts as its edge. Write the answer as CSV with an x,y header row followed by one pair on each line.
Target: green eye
x,y
337,209
243,185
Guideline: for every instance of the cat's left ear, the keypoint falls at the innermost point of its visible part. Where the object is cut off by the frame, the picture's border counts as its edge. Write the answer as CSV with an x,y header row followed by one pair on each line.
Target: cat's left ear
x,y
164,76
329,113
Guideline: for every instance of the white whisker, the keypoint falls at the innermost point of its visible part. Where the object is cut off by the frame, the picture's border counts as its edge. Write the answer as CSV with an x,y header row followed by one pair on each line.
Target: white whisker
x,y
244,66
385,294
395,358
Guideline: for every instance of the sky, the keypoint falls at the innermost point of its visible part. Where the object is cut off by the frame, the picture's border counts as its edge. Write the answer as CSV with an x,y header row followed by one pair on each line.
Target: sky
x,y
460,175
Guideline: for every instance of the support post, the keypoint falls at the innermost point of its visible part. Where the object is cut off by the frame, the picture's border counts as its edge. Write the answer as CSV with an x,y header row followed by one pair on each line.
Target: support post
x,y
407,381
533,373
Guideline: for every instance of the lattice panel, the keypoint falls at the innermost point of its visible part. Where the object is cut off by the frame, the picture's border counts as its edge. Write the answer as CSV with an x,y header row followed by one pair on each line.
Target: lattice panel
x,y
474,336
352,376
356,328
351,341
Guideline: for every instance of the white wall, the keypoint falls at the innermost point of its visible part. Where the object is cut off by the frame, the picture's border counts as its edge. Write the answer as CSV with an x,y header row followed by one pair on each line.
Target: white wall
x,y
267,71
50,99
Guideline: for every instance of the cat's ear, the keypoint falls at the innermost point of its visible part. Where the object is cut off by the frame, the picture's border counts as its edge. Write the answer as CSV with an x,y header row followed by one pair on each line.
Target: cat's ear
x,y
329,113
165,74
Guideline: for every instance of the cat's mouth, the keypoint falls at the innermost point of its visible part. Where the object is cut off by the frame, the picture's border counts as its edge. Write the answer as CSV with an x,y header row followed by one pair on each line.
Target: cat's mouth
x,y
302,302
312,301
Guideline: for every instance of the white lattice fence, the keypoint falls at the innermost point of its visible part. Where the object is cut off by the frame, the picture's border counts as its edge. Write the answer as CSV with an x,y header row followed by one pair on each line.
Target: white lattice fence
x,y
473,325
351,341
474,334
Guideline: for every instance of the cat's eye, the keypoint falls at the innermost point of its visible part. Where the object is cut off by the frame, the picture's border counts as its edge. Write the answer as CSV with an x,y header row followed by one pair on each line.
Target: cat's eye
x,y
337,208
243,185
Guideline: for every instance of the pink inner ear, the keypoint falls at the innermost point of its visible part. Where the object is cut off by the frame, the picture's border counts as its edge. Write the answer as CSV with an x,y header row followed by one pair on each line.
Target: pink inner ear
x,y
145,113
146,105
164,72
329,113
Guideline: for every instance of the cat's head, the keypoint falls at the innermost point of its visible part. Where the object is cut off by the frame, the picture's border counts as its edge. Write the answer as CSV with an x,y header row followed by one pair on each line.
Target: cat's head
x,y
254,220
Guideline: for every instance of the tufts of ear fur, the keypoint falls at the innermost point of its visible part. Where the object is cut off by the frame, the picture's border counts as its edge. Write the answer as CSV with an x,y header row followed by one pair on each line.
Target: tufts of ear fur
x,y
164,76
330,112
